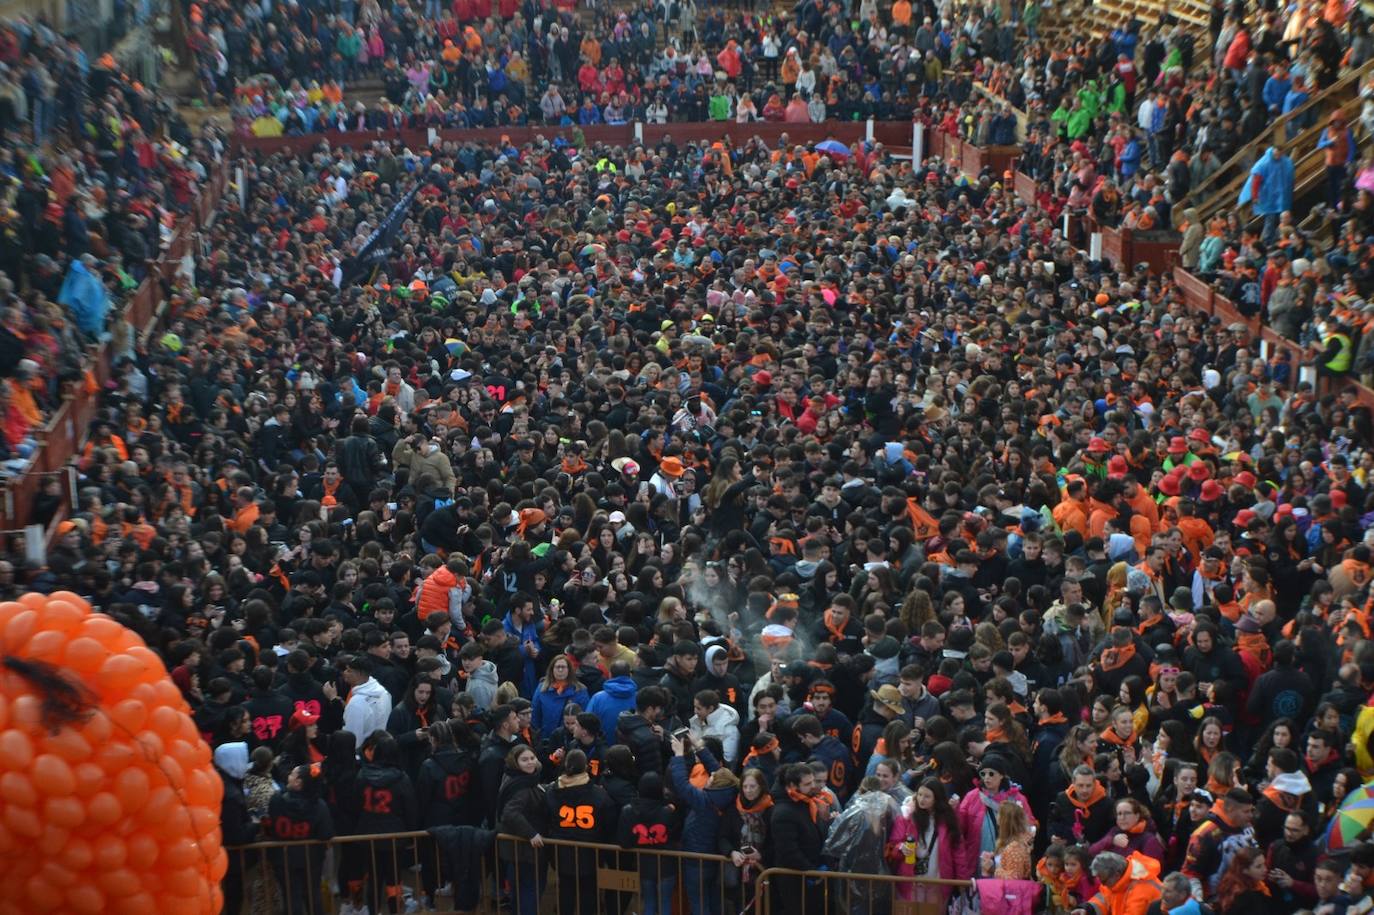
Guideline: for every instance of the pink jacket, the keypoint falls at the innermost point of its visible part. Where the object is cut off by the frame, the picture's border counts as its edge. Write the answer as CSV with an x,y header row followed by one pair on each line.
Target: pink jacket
x,y
1008,897
904,828
970,814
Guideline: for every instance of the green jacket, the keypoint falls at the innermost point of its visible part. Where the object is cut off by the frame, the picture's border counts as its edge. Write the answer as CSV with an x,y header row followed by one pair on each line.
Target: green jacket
x,y
720,108
1079,123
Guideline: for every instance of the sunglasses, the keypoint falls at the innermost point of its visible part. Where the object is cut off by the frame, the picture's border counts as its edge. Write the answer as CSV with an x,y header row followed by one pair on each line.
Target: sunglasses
x,y
988,773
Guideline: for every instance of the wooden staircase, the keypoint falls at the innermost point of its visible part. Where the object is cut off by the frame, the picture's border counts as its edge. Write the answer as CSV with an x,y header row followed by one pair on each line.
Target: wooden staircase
x,y
1219,192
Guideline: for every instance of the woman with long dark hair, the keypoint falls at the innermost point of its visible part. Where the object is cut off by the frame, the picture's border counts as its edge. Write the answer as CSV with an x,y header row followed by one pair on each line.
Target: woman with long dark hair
x,y
410,721
922,843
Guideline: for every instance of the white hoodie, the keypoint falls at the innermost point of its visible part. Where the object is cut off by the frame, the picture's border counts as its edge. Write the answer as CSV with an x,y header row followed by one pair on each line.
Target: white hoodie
x,y
722,724
368,709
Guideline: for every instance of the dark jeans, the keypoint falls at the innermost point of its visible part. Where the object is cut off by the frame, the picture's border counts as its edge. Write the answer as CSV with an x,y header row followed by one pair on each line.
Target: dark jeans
x,y
701,880
527,879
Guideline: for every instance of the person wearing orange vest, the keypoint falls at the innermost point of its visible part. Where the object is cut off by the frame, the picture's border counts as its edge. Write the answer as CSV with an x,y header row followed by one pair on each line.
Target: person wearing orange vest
x,y
444,590
1127,886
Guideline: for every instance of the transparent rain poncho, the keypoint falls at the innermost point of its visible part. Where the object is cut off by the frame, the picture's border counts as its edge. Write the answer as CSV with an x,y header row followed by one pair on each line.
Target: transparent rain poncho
x,y
856,844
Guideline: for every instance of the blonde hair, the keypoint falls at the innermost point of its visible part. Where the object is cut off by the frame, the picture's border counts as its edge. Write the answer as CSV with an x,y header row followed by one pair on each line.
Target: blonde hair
x,y
1012,823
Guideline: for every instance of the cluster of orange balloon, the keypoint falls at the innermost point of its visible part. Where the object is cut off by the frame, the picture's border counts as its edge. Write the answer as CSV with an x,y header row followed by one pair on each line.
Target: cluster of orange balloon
x,y
109,801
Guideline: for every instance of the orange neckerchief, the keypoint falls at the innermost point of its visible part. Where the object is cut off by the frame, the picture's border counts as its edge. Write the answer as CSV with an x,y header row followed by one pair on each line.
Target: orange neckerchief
x,y
1144,626
1056,718
1059,885
814,804
836,633
755,753
1113,658
1112,737
764,802
997,735
1098,794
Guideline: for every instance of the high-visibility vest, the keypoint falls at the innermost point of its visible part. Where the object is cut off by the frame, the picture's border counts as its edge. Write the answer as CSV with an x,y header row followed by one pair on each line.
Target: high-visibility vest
x,y
1342,360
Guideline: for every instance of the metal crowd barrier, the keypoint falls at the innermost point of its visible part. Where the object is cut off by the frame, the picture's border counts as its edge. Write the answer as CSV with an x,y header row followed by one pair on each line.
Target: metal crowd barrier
x,y
587,878
312,877
782,891
401,871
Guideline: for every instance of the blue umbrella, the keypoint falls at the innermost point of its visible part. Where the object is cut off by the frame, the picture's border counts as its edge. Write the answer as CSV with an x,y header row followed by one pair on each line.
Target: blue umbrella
x,y
834,147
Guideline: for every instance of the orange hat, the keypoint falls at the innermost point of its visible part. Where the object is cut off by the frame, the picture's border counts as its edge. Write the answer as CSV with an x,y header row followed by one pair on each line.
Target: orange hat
x,y
671,467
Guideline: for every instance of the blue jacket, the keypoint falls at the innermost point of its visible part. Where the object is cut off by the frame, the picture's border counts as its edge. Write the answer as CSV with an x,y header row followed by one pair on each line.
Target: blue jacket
x,y
1274,91
704,807
1130,158
548,708
838,760
617,695
1276,184
529,682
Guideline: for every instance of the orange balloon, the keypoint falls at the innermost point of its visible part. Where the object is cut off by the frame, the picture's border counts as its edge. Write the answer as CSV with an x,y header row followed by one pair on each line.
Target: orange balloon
x,y
112,806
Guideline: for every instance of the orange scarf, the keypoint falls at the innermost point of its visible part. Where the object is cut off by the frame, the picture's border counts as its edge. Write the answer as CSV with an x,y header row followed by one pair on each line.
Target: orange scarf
x,y
815,804
329,501
1112,737
836,633
764,802
1059,885
1113,658
997,735
1098,794
1056,718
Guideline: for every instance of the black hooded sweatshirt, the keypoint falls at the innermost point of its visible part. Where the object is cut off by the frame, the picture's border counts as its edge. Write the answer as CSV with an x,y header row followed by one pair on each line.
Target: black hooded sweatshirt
x,y
384,800
447,780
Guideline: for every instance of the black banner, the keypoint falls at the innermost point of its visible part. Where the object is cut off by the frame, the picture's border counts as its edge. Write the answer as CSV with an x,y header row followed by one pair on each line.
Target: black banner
x,y
378,245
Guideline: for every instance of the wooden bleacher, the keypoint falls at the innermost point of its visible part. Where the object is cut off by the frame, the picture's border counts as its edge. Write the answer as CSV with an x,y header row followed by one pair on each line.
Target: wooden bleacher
x,y
1220,192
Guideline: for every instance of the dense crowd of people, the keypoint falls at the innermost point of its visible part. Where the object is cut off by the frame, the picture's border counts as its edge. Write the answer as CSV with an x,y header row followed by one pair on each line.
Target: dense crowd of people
x,y
94,169
809,510
476,65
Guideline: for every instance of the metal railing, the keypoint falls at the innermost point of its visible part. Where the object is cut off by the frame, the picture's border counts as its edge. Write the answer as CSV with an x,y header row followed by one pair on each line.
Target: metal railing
x,y
589,878
783,891
394,872
315,877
